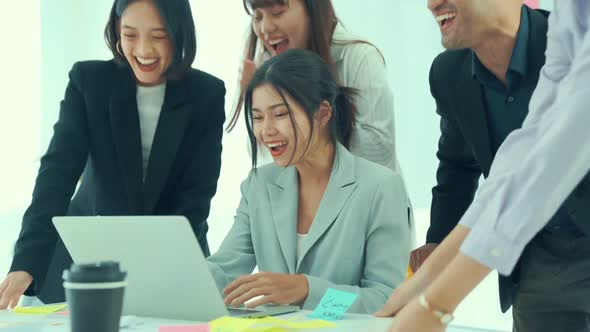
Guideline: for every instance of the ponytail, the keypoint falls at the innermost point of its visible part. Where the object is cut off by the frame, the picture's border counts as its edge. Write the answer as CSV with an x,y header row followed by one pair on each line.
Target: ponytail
x,y
344,115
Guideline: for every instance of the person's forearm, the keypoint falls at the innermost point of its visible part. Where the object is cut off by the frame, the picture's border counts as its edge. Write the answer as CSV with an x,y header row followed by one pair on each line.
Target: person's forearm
x,y
443,255
455,283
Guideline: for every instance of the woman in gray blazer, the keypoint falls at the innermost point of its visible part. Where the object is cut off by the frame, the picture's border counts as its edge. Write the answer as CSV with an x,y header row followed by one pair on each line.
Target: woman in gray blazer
x,y
318,217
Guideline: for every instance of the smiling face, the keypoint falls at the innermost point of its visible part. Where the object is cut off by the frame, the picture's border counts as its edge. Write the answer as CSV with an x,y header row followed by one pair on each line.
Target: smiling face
x,y
282,26
461,22
273,128
145,42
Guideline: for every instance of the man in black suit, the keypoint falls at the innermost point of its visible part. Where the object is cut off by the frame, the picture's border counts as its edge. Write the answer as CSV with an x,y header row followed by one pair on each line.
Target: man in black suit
x,y
482,86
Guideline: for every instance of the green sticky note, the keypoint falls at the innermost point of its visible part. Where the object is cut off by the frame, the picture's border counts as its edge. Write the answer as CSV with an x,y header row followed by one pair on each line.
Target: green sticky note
x,y
333,305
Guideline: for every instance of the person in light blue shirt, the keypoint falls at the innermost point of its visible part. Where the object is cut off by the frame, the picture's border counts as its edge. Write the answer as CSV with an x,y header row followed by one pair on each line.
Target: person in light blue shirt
x,y
318,217
537,169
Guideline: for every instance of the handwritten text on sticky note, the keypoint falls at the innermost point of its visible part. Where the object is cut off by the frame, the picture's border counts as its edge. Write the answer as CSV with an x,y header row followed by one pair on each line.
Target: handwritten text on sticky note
x,y
333,305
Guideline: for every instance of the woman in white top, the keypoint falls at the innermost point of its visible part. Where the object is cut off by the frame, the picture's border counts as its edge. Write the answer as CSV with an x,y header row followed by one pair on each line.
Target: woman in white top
x,y
278,25
318,217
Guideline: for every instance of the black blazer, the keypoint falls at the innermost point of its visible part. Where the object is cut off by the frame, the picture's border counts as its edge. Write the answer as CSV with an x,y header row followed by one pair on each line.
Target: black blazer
x,y
97,137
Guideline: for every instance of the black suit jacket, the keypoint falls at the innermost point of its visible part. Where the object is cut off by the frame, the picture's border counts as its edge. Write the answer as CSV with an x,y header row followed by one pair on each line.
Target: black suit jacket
x,y
97,137
465,150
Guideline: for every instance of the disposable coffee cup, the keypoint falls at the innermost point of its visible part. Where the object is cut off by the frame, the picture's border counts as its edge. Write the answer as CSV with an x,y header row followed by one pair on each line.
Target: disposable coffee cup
x,y
94,293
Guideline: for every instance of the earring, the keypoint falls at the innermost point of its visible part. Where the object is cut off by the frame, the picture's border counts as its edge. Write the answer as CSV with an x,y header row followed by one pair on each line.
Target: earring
x,y
119,49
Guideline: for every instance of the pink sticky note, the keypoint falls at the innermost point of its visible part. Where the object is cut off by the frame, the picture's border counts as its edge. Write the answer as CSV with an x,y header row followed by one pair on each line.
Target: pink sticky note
x,y
63,313
532,3
185,328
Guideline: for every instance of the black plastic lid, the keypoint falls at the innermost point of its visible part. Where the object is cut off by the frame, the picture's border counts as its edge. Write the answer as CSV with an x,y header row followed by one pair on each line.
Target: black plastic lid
x,y
98,272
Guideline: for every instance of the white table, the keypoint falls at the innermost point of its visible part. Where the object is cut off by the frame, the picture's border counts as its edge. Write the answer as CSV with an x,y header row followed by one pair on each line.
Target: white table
x,y
56,323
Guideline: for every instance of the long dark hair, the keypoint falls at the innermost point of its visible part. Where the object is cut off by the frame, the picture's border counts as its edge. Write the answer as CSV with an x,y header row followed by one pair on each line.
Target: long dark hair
x,y
178,20
306,78
323,20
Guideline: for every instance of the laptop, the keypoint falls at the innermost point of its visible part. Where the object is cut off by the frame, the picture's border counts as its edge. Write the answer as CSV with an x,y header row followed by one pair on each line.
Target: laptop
x,y
167,274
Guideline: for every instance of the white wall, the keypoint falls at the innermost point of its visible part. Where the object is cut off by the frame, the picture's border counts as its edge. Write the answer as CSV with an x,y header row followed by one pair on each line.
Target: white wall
x,y
19,125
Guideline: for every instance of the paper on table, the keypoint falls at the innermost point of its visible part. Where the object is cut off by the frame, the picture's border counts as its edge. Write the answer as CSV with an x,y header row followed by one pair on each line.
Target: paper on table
x,y
130,321
229,324
22,326
267,324
333,304
298,325
62,313
45,309
185,328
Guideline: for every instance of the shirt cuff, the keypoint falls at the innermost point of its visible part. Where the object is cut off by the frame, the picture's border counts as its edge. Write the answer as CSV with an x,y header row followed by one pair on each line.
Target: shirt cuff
x,y
492,249
317,289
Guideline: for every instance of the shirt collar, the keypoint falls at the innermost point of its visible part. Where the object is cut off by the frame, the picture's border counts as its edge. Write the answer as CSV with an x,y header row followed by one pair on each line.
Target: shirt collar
x,y
340,39
519,59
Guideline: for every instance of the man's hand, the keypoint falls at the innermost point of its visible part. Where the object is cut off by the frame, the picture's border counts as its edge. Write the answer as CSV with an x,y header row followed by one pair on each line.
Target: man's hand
x,y
418,256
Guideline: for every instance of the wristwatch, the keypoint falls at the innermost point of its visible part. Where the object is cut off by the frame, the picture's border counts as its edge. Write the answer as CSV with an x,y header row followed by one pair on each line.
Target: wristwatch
x,y
444,317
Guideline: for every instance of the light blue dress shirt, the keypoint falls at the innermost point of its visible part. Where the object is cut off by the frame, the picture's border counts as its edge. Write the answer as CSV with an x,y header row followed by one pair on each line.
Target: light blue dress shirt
x,y
539,165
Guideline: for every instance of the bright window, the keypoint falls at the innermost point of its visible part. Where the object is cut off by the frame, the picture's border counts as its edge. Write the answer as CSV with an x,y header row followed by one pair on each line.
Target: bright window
x,y
20,125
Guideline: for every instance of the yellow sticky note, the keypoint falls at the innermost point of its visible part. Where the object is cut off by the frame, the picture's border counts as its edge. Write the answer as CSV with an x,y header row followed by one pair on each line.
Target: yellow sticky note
x,y
45,309
312,324
267,324
300,325
265,329
229,324
409,273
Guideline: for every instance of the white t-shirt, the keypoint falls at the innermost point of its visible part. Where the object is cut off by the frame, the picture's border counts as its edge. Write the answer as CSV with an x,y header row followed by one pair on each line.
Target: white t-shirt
x,y
149,104
300,239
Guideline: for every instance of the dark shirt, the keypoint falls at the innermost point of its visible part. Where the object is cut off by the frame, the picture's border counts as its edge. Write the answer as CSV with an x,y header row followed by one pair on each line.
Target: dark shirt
x,y
507,104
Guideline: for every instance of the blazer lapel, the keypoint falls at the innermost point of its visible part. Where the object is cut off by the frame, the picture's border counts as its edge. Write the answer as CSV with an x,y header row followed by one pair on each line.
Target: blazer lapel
x,y
127,138
172,124
538,27
341,185
284,202
472,115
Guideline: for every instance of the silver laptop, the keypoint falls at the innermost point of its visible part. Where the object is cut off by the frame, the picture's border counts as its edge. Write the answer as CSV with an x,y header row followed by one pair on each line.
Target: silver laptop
x,y
167,274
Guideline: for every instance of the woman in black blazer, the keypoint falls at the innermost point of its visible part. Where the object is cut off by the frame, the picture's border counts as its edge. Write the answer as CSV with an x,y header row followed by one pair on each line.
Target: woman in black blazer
x,y
142,132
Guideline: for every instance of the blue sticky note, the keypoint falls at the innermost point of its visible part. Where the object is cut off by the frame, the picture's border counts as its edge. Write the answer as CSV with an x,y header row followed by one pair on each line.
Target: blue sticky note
x,y
333,305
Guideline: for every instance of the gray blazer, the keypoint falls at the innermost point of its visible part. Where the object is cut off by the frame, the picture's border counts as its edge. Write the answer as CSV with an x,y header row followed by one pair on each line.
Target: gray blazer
x,y
359,240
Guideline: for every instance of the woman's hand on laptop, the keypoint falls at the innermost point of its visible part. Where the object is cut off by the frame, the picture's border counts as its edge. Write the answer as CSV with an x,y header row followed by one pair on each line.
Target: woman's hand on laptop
x,y
13,287
272,288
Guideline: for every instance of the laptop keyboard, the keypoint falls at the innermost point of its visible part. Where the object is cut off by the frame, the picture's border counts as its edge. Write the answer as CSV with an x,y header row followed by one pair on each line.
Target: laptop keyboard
x,y
241,311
